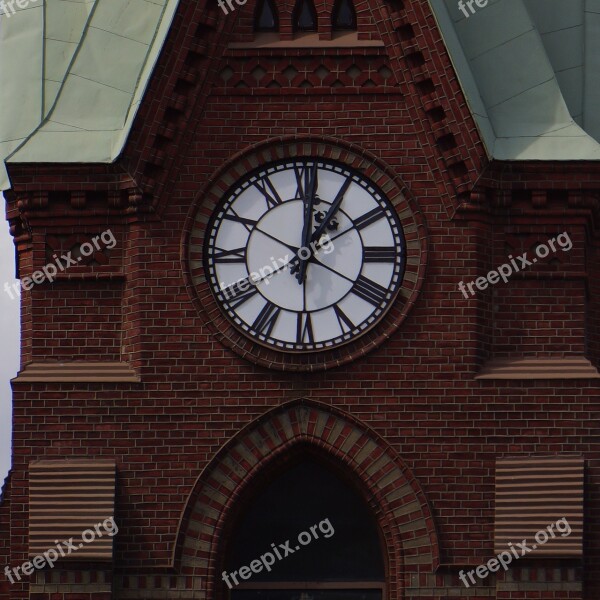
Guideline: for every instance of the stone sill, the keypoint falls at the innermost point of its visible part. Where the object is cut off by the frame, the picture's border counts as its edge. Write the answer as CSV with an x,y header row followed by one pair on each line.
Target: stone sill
x,y
306,40
576,367
79,371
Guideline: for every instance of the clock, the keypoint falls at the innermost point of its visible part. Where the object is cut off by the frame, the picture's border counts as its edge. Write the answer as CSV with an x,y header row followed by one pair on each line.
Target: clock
x,y
304,255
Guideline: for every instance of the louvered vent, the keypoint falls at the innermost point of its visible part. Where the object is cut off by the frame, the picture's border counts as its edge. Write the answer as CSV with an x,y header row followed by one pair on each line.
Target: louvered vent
x,y
533,493
68,497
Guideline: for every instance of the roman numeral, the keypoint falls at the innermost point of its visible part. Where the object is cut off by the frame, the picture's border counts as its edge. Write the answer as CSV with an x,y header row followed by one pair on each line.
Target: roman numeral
x,y
302,180
368,218
344,321
247,223
239,292
236,255
304,330
380,254
266,319
267,189
369,290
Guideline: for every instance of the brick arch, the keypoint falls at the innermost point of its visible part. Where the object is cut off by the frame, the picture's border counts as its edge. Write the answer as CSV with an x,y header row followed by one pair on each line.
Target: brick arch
x,y
394,494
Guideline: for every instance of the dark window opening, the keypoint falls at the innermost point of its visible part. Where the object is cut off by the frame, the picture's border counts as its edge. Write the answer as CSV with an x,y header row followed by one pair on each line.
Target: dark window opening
x,y
339,556
344,15
265,17
305,16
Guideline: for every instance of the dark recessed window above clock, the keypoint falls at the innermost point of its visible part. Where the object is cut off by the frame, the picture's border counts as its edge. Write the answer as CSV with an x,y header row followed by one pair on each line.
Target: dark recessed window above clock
x,y
304,16
336,27
344,16
265,16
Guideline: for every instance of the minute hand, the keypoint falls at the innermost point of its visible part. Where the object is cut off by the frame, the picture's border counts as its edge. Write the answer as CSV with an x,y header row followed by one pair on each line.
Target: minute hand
x,y
332,210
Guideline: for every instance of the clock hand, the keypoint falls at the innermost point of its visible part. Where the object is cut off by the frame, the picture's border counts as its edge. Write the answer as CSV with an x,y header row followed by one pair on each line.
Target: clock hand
x,y
316,236
306,232
308,200
292,264
294,249
332,210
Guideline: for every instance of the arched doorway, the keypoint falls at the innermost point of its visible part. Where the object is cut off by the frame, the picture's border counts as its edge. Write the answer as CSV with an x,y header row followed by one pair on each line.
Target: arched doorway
x,y
304,533
264,449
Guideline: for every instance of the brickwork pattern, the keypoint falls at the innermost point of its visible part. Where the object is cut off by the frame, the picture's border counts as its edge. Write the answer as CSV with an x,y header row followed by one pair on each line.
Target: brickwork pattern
x,y
415,391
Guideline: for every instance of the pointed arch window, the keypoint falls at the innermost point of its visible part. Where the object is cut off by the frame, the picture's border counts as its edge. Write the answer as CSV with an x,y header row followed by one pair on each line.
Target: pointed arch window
x,y
334,547
265,16
304,16
343,16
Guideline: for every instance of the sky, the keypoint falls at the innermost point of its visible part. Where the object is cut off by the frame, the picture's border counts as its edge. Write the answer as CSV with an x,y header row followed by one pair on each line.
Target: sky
x,y
9,342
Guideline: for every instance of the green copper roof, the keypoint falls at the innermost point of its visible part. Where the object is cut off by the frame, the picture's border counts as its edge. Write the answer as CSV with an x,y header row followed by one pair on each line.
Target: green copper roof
x,y
529,69
73,73
82,69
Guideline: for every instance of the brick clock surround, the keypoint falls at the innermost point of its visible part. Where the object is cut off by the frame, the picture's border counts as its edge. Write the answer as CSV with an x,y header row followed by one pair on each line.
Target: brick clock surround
x,y
127,356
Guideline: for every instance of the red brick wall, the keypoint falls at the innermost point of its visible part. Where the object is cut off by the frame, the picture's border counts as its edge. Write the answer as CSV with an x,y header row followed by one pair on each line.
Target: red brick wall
x,y
593,331
540,318
72,320
417,391
4,533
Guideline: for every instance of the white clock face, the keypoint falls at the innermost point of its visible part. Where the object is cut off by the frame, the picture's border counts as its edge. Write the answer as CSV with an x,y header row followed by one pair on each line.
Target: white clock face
x,y
305,255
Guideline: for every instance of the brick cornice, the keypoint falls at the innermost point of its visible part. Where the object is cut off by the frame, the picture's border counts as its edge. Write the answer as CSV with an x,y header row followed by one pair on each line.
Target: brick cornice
x,y
527,192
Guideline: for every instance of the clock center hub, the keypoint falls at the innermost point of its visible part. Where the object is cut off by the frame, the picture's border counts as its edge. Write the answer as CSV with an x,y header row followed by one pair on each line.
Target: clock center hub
x,y
335,263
